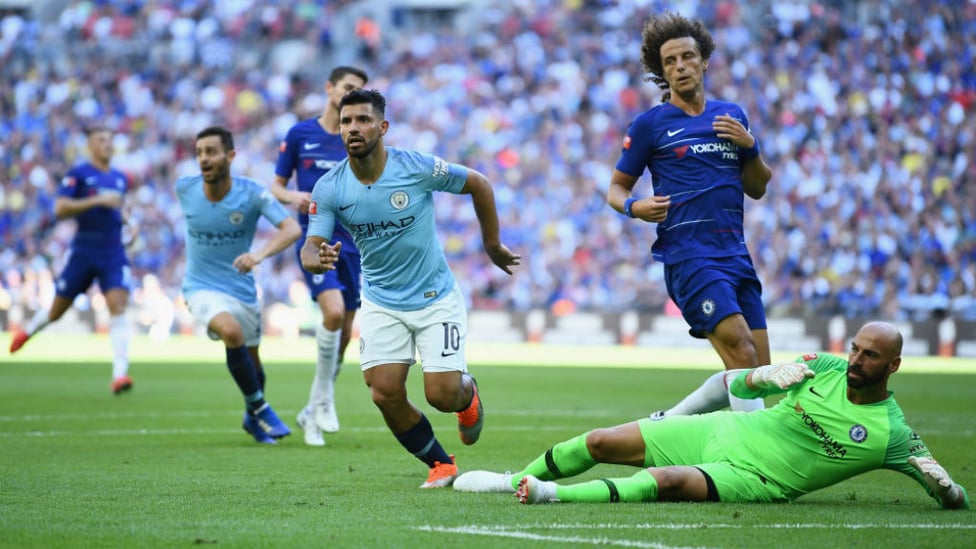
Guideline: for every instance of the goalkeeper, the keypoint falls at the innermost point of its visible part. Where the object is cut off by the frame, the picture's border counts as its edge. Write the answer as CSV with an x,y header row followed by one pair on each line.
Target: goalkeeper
x,y
838,420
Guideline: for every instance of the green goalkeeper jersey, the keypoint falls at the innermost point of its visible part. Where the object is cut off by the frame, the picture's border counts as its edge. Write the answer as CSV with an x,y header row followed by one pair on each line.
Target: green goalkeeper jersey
x,y
815,437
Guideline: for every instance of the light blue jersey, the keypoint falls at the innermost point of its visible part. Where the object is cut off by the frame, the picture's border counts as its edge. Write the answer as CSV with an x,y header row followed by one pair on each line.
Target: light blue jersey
x,y
218,232
392,222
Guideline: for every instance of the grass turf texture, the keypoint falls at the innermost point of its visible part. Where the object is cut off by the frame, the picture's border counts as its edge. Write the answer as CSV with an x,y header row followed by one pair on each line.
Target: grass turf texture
x,y
168,464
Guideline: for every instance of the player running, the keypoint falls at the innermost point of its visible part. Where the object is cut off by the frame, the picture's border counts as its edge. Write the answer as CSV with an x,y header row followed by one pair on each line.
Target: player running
x,y
222,213
411,300
311,148
93,194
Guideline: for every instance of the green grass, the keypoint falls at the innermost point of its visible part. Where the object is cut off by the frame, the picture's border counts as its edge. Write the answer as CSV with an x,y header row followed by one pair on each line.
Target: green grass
x,y
168,465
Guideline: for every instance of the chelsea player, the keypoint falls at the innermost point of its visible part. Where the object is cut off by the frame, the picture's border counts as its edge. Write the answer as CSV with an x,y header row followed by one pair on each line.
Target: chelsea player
x,y
411,300
93,194
702,158
221,213
310,149
836,420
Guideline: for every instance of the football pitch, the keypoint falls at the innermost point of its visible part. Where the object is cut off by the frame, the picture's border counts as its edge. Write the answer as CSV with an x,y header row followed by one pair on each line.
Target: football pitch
x,y
167,465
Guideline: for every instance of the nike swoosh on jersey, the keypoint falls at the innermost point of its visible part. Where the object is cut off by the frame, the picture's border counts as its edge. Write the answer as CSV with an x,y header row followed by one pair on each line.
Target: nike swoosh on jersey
x,y
675,132
310,146
815,392
346,207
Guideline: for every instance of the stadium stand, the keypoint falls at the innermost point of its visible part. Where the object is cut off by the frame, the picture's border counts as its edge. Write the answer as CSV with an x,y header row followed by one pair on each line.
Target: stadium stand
x,y
865,111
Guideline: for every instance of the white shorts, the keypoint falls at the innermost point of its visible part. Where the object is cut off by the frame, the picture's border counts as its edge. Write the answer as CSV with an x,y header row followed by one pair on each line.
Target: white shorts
x,y
204,305
438,332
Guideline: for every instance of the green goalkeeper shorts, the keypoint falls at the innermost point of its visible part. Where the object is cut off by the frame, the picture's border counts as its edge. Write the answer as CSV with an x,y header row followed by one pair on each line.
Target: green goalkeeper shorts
x,y
690,440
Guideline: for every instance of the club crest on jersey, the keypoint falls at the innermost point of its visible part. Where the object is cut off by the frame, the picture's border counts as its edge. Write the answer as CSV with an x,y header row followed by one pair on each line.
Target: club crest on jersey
x,y
399,200
312,208
809,356
708,307
236,218
858,433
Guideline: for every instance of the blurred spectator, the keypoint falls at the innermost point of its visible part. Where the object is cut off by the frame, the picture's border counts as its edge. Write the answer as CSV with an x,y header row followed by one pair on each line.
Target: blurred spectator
x,y
866,112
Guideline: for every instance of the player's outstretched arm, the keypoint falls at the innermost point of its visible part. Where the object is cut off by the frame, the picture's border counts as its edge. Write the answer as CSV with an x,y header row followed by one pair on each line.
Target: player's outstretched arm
x,y
299,199
318,255
950,494
778,376
288,232
483,197
65,207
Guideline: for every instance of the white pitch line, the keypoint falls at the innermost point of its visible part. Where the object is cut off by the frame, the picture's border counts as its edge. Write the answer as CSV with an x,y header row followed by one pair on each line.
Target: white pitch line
x,y
508,533
518,532
703,525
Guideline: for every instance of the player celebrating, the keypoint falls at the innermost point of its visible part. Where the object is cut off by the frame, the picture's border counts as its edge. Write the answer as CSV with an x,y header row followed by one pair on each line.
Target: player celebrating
x,y
702,158
411,300
838,420
93,194
222,213
311,148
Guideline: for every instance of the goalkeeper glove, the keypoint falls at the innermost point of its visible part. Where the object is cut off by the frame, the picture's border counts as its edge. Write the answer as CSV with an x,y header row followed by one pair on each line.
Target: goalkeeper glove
x,y
937,479
782,376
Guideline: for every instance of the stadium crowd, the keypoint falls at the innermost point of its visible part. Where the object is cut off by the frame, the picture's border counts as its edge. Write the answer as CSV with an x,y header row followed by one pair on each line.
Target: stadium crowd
x,y
865,111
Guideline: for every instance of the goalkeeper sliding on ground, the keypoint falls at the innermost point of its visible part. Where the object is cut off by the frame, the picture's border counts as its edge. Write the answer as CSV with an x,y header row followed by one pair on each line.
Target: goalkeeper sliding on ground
x,y
837,420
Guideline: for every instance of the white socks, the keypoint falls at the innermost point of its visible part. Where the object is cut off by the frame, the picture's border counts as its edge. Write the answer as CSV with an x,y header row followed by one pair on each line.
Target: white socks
x,y
714,395
37,322
709,396
323,386
118,334
741,404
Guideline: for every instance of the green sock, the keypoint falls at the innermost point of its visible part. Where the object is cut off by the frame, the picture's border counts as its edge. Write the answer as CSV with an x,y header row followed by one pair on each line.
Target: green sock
x,y
639,487
565,459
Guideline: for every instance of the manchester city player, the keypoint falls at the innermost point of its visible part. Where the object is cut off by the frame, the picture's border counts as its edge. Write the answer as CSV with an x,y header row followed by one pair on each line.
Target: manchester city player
x,y
702,158
837,420
221,212
411,301
93,193
311,148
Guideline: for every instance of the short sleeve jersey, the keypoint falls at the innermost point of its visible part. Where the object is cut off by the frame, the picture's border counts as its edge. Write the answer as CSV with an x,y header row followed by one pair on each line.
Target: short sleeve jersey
x,y
815,437
310,152
99,228
699,171
393,224
217,232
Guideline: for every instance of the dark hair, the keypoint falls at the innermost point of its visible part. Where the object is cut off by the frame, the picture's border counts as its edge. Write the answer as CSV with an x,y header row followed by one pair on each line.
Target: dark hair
x,y
669,26
92,130
226,138
358,97
337,73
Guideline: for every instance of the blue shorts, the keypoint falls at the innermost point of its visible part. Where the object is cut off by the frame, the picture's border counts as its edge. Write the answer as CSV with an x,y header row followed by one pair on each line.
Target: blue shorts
x,y
711,288
85,266
347,278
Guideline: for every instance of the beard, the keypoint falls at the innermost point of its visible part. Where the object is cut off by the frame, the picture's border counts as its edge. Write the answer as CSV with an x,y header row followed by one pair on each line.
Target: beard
x,y
863,380
367,149
218,173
